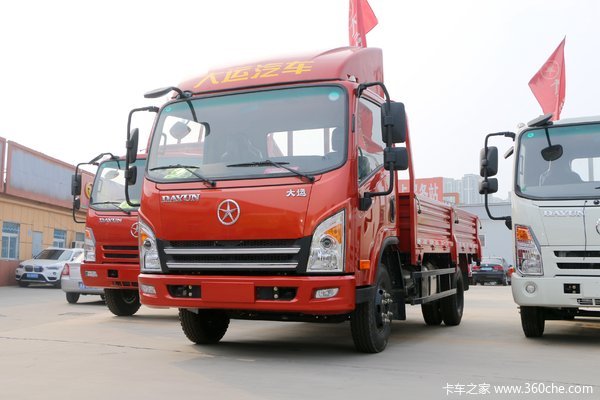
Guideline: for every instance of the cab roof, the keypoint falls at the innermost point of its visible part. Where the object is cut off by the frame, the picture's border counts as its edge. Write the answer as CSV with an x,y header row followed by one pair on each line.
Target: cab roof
x,y
342,64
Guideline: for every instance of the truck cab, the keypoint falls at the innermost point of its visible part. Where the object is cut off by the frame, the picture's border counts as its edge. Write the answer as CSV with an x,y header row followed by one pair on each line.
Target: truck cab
x,y
111,257
555,219
271,193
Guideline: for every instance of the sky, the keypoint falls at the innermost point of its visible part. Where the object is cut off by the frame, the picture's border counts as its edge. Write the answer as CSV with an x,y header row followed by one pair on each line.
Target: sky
x,y
71,71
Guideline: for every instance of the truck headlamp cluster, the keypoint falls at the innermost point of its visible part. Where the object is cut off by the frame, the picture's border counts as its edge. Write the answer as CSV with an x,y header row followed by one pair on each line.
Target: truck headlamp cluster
x,y
327,246
149,261
89,246
529,255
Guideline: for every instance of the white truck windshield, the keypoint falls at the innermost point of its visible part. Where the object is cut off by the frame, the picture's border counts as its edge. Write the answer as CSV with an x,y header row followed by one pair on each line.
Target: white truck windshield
x,y
576,174
250,135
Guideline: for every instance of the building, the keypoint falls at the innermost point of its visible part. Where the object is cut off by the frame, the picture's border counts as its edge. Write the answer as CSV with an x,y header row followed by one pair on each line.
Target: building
x,y
467,189
35,206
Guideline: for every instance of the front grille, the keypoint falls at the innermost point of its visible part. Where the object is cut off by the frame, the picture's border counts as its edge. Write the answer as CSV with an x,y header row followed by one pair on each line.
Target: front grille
x,y
271,255
577,254
122,254
29,268
578,265
38,269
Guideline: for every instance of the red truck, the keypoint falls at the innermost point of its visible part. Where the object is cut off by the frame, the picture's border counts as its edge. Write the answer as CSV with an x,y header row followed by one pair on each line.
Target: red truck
x,y
111,234
271,193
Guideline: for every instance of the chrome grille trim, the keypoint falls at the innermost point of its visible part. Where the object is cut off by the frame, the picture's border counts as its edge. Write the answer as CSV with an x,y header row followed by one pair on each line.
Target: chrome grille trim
x,y
201,266
229,251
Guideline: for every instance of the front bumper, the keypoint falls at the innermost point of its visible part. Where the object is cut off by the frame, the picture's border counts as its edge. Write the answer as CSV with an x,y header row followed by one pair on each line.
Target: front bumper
x,y
111,276
550,291
71,285
39,277
241,293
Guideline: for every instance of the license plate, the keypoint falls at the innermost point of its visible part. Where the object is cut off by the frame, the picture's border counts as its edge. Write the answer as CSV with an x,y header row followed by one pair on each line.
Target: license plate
x,y
486,269
82,286
31,276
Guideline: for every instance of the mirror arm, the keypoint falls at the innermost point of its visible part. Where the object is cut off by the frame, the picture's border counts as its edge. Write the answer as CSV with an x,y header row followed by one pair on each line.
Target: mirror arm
x,y
507,219
369,195
127,199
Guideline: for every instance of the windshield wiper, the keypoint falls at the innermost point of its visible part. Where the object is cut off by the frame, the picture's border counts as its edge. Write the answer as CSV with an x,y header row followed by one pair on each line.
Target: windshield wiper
x,y
113,203
281,165
189,168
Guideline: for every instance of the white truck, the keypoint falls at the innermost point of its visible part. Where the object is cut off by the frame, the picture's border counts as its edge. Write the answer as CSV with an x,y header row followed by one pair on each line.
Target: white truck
x,y
555,218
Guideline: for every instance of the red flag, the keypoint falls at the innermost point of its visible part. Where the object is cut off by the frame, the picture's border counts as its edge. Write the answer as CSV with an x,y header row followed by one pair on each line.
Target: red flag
x,y
548,85
361,20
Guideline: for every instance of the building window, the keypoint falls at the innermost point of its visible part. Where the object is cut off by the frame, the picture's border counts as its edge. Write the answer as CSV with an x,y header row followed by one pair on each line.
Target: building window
x,y
79,236
60,238
482,240
10,241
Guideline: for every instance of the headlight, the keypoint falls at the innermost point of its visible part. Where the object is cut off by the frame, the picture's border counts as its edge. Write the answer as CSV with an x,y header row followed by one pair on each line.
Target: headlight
x,y
529,256
327,246
149,260
89,246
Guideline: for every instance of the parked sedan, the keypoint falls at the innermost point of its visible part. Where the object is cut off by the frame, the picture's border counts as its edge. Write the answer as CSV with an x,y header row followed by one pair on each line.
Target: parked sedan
x,y
492,269
47,266
73,286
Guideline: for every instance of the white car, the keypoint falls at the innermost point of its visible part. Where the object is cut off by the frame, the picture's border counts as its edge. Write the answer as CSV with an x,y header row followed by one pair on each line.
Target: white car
x,y
47,266
72,284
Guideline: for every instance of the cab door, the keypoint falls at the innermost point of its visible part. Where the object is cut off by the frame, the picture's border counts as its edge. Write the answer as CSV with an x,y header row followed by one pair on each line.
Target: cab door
x,y
373,223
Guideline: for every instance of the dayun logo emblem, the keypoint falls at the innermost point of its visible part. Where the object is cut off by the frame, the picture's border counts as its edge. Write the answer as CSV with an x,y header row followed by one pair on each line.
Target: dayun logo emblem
x,y
134,230
179,198
228,212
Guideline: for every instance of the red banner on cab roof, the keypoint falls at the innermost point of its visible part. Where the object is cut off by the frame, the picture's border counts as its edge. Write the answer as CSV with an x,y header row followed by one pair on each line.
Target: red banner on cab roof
x,y
361,20
548,84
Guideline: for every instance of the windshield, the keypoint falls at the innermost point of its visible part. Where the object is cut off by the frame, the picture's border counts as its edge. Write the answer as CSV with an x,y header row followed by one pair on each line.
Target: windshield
x,y
54,254
576,174
108,192
250,135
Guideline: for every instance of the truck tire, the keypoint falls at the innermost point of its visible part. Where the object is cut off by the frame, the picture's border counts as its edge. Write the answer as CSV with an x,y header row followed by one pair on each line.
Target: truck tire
x,y
532,321
371,322
122,303
452,306
72,297
432,315
205,327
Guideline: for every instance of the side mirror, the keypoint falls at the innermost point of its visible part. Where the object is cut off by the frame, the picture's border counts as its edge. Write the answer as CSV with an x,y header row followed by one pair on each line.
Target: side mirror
x,y
488,186
76,203
75,185
393,122
132,145
131,175
488,161
396,155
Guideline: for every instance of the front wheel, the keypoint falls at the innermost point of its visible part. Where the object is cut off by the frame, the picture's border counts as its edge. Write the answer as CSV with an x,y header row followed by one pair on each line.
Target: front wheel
x,y
452,306
72,297
122,303
205,326
532,321
371,322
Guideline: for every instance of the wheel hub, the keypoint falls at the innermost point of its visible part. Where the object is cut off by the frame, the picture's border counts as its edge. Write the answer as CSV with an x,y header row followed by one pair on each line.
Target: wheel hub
x,y
383,304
